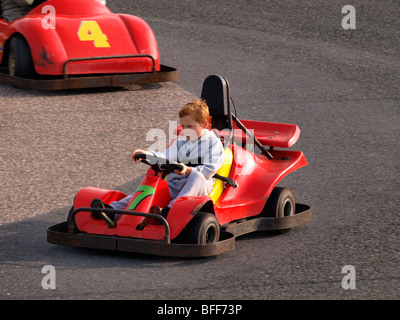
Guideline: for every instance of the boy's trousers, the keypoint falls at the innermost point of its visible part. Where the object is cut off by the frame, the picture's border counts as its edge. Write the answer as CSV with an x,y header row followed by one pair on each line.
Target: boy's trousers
x,y
194,184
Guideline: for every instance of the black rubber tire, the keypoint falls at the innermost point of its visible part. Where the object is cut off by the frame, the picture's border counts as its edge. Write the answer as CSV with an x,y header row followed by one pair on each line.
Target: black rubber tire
x,y
20,63
281,203
202,229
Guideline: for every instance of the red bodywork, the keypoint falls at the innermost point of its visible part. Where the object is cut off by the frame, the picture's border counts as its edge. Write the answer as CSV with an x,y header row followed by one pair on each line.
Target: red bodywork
x,y
256,176
83,29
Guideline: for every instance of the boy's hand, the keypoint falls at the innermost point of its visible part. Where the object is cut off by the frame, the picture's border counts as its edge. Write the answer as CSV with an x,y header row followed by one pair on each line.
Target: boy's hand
x,y
186,170
137,151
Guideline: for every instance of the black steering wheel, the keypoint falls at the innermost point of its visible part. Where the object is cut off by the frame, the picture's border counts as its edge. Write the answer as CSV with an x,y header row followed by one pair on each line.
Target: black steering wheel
x,y
162,163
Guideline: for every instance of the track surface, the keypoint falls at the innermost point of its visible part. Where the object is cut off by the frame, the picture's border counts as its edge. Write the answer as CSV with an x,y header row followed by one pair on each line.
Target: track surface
x,y
287,61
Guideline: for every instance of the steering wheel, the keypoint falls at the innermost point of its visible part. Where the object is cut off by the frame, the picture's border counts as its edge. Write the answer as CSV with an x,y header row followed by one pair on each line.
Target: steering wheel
x,y
162,163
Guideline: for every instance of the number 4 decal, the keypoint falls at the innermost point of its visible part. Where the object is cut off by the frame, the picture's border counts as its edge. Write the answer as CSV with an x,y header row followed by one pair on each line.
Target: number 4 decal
x,y
90,31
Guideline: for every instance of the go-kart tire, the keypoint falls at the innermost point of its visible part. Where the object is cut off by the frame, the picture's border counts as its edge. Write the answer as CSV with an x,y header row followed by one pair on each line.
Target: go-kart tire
x,y
280,203
20,63
202,229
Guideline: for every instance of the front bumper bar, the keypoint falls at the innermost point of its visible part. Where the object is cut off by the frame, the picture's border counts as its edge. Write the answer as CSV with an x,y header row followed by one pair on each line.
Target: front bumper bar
x,y
63,235
166,74
58,234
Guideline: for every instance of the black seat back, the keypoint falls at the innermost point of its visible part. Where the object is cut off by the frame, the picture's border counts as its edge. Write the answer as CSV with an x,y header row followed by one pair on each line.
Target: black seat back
x,y
216,94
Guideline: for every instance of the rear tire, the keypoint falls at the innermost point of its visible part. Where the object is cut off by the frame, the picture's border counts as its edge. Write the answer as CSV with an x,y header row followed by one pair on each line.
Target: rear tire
x,y
280,204
202,229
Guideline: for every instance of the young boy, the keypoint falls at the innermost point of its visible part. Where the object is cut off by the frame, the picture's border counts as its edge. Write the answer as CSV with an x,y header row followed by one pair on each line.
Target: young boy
x,y
200,152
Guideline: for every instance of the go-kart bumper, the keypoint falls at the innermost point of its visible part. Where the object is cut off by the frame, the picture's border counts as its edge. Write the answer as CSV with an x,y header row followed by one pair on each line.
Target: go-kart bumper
x,y
166,74
58,234
63,234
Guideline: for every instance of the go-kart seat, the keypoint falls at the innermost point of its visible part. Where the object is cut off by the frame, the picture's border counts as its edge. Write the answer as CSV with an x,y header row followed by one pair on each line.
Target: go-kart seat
x,y
215,92
224,171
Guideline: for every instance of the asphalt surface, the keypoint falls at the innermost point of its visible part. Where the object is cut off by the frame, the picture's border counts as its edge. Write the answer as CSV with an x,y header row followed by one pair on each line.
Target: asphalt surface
x,y
286,61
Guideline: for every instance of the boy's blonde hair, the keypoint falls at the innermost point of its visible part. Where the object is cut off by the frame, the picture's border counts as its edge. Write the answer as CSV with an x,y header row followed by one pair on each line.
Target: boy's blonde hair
x,y
198,109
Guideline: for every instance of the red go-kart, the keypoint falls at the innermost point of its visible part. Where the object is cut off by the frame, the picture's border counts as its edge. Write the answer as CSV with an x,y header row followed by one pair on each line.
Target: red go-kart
x,y
64,44
245,197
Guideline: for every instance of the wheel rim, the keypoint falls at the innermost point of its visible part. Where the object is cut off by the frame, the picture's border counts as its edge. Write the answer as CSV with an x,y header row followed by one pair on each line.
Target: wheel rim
x,y
288,208
211,234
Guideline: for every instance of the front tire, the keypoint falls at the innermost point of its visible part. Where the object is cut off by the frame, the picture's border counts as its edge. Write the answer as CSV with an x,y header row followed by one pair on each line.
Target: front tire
x,y
20,63
202,229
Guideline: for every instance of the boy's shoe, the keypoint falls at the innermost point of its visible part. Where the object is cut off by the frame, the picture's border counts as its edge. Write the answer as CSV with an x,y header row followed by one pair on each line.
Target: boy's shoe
x,y
97,203
155,210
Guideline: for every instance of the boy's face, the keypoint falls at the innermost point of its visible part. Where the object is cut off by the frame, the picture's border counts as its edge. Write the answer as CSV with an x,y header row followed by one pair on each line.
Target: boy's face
x,y
191,129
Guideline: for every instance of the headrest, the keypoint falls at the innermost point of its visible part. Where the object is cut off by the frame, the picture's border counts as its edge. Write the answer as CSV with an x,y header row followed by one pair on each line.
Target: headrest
x,y
216,93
